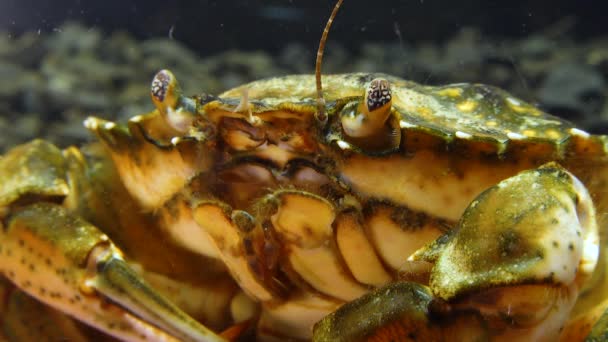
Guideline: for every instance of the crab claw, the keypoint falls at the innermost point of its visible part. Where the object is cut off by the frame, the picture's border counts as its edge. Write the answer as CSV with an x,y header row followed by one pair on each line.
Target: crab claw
x,y
517,260
69,264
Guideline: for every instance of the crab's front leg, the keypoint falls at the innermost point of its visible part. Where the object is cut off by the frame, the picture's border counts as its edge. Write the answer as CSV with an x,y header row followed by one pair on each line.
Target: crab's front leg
x,y
511,270
62,260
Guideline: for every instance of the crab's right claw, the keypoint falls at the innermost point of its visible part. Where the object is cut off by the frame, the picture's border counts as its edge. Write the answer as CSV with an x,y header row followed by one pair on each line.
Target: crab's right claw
x,y
511,270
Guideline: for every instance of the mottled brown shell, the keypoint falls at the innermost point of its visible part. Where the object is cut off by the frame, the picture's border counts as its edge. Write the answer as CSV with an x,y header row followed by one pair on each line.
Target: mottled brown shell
x,y
468,112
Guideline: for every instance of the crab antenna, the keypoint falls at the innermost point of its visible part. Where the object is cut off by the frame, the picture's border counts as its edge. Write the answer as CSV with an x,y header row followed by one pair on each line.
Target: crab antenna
x,y
320,100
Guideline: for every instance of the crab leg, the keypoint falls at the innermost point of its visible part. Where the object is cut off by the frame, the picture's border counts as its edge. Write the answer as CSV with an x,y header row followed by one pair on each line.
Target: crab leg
x,y
399,309
26,319
67,263
591,325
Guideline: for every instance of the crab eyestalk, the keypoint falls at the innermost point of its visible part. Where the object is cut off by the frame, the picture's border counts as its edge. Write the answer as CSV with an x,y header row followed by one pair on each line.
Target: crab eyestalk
x,y
177,109
370,115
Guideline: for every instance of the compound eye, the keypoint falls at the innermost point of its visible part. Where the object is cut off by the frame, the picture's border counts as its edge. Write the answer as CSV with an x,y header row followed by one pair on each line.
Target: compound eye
x,y
177,110
378,95
370,116
164,90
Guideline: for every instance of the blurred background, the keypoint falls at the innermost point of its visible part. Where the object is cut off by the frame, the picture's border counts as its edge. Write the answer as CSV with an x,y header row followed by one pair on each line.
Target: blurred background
x,y
63,60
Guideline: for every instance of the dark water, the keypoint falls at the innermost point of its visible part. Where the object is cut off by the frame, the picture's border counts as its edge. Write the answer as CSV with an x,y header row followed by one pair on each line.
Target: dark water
x,y
209,26
63,60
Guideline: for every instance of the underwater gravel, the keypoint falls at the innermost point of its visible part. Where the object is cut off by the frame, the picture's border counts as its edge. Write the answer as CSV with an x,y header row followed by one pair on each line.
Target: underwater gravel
x,y
50,82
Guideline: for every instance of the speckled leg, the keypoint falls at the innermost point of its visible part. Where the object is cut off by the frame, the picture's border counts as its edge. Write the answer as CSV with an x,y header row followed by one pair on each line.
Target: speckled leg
x,y
26,319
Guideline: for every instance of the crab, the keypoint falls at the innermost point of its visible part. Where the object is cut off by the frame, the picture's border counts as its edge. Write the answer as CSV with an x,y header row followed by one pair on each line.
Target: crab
x,y
375,209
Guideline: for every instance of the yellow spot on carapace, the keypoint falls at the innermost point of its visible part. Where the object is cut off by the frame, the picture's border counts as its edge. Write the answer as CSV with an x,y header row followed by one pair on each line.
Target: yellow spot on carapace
x,y
424,112
467,106
535,111
553,133
518,108
491,123
450,92
529,133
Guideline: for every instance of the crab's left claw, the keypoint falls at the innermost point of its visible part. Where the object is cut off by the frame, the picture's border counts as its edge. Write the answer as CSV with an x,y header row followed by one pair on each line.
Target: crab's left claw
x,y
511,270
86,277
54,255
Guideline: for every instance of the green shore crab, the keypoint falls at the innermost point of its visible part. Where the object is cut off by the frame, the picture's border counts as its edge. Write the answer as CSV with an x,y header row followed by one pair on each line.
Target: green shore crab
x,y
376,209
